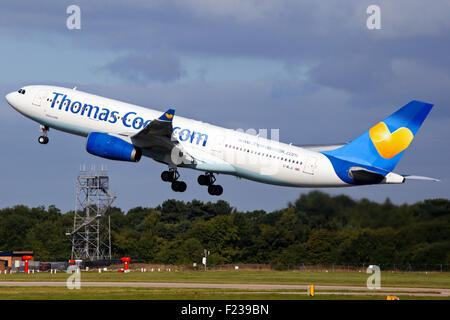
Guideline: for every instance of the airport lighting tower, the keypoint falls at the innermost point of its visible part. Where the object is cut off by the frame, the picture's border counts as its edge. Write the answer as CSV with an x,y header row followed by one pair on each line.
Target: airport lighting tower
x,y
91,233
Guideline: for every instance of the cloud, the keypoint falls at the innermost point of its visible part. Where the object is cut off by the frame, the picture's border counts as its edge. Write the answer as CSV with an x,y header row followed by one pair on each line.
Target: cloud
x,y
354,73
263,28
404,19
385,80
340,78
160,66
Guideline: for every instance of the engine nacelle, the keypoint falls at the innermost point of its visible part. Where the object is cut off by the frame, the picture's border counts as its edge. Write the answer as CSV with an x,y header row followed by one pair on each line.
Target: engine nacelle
x,y
110,147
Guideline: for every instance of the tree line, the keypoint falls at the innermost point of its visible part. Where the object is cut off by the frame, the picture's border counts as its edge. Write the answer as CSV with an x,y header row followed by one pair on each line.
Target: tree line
x,y
317,228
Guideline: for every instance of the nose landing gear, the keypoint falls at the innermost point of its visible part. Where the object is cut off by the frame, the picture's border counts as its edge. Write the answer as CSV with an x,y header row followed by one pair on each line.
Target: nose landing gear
x,y
44,139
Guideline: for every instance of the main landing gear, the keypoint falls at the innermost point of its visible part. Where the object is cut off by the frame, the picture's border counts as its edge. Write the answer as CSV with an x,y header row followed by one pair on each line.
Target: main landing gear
x,y
172,176
208,179
44,139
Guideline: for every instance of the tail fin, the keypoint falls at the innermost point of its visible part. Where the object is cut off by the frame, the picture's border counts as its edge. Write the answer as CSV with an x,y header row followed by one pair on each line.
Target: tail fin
x,y
384,144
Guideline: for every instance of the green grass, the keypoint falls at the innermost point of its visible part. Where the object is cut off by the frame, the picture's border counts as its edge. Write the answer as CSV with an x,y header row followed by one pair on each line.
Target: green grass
x,y
388,279
115,293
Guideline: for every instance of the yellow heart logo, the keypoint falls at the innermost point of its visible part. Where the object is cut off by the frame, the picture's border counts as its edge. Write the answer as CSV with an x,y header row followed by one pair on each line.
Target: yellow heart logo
x,y
169,116
390,144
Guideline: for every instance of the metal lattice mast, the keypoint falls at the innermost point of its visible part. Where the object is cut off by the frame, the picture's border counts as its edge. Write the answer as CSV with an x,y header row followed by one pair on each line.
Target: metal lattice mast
x,y
91,234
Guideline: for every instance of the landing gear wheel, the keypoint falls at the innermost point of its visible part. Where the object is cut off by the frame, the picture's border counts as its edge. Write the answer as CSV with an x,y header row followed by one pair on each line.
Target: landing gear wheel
x,y
43,140
206,179
167,176
172,176
179,186
215,190
203,180
219,190
182,186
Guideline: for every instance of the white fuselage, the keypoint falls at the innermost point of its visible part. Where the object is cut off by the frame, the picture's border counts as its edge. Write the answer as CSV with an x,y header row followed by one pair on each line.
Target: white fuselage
x,y
219,150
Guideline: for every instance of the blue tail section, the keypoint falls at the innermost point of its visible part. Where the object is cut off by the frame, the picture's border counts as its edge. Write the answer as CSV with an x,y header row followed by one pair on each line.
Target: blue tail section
x,y
382,146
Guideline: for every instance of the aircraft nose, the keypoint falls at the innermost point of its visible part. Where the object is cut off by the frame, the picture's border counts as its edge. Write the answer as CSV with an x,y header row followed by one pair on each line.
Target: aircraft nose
x,y
11,98
8,97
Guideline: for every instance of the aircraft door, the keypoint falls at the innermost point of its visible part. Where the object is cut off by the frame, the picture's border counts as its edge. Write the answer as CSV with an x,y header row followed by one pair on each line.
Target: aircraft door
x,y
218,153
39,97
217,148
310,165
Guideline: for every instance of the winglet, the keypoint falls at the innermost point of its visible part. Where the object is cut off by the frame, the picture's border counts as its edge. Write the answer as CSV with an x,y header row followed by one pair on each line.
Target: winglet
x,y
168,115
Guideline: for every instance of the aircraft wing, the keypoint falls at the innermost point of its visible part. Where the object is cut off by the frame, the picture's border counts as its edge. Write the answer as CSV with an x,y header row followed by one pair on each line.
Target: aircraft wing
x,y
157,134
157,137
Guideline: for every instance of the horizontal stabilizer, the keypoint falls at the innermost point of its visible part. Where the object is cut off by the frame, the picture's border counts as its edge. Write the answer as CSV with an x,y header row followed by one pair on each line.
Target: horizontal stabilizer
x,y
321,147
408,177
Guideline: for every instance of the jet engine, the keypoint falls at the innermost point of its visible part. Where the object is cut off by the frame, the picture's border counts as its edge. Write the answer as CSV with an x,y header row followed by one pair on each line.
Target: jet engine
x,y
111,147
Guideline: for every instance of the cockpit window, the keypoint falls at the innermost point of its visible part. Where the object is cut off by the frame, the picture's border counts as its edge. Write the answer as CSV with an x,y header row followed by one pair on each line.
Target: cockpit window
x,y
22,91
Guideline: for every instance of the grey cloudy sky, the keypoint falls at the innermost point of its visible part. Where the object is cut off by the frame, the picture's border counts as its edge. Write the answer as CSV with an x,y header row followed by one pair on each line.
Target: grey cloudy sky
x,y
310,68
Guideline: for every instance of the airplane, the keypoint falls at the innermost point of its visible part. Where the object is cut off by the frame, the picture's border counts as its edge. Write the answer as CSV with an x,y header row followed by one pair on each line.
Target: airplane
x,y
117,130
